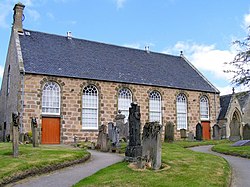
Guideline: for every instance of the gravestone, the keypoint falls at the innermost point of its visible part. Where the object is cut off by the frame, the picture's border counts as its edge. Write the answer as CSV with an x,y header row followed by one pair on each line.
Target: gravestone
x,y
183,133
122,128
246,132
198,132
113,135
151,144
169,132
241,143
102,140
34,132
216,132
15,140
134,148
190,136
234,130
223,132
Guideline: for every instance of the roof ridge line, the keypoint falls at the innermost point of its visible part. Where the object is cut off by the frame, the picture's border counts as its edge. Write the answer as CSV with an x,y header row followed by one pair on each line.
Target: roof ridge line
x,y
202,76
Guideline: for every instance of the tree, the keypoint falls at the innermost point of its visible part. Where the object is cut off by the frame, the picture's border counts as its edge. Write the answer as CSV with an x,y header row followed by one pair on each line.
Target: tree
x,y
241,62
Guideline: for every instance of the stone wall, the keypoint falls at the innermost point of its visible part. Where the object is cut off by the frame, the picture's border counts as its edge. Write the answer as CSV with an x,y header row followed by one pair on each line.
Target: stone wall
x,y
71,104
11,102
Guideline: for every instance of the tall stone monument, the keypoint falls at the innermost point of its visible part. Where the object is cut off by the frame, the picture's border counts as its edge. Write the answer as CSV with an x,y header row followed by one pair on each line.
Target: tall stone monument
x,y
121,126
34,132
15,140
134,148
102,140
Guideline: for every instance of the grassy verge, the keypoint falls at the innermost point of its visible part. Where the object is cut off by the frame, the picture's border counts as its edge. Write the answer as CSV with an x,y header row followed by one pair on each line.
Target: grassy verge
x,y
183,168
32,160
242,151
187,144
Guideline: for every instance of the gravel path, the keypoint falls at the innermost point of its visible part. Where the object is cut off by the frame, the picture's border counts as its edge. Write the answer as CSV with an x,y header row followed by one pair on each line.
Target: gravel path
x,y
71,175
240,166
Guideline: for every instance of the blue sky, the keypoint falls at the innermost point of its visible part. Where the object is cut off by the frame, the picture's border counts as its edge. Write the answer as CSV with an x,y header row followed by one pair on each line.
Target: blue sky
x,y
202,29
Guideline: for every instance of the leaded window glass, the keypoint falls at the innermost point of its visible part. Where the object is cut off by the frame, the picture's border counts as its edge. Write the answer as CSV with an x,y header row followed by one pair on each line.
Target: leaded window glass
x,y
90,107
204,108
181,103
155,106
124,101
51,98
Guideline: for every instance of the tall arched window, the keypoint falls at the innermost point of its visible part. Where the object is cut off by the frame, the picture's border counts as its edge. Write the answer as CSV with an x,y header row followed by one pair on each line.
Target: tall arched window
x,y
124,101
51,98
181,103
204,108
90,107
155,106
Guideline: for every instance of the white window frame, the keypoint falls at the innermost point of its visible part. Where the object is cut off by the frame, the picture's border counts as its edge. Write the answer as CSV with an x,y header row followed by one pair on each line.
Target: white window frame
x,y
204,108
124,101
155,106
92,92
181,109
51,96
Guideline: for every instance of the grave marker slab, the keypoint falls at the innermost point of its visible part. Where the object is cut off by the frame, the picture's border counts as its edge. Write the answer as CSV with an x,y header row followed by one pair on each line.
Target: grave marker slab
x,y
241,143
246,132
198,132
169,132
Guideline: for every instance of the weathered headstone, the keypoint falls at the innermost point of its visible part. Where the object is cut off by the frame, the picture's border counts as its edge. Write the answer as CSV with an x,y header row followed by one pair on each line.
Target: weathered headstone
x,y
15,139
246,132
122,128
216,132
113,134
223,132
134,148
151,144
34,132
169,132
102,140
234,130
190,136
183,133
198,133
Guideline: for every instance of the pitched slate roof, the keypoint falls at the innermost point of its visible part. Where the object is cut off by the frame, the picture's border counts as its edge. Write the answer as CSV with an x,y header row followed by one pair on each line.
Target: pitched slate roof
x,y
243,98
224,104
50,54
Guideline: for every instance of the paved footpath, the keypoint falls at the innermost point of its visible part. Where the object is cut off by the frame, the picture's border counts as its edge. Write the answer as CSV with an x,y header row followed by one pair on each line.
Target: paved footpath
x,y
71,175
240,166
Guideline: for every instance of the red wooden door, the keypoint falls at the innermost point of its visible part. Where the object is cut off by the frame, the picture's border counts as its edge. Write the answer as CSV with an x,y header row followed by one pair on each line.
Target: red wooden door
x,y
206,130
50,130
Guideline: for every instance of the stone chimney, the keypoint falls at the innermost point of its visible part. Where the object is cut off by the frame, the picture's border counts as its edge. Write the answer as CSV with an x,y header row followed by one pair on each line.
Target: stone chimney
x,y
18,17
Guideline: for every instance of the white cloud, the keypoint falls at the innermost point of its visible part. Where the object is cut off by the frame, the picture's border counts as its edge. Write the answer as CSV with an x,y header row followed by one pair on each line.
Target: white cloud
x,y
1,71
120,3
229,89
206,57
33,14
246,20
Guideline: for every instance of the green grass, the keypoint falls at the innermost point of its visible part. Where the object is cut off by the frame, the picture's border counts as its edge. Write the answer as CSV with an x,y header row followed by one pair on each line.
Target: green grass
x,y
242,151
183,168
34,158
187,144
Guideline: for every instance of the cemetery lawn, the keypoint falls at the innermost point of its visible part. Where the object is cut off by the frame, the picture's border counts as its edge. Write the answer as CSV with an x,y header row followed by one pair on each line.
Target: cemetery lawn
x,y
187,144
34,159
183,167
242,151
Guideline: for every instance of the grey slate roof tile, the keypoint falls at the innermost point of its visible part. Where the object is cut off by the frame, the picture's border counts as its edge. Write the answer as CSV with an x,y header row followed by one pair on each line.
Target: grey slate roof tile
x,y
50,54
224,104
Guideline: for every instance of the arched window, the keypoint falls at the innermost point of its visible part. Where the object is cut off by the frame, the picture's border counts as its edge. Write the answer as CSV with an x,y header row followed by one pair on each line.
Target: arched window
x,y
204,108
124,101
90,107
181,103
51,98
155,106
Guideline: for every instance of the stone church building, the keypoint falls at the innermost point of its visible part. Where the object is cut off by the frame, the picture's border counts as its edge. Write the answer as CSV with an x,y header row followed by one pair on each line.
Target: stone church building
x,y
234,117
74,85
